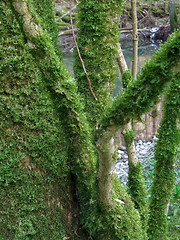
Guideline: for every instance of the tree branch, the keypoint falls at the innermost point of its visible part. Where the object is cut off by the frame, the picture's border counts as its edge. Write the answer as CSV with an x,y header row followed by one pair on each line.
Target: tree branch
x,y
139,95
79,54
67,13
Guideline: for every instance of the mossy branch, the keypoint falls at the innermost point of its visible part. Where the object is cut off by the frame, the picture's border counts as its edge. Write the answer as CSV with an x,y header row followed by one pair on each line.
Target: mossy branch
x,y
151,80
79,54
165,157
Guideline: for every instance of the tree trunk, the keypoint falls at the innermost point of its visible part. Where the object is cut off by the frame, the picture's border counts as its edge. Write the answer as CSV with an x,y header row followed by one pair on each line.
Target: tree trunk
x,y
105,148
36,186
135,178
135,39
48,182
172,15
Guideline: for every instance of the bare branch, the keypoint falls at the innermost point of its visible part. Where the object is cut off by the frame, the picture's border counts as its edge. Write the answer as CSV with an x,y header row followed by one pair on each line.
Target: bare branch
x,y
67,13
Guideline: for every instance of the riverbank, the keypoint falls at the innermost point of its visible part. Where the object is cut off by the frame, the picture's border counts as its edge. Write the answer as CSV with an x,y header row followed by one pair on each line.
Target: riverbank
x,y
150,35
153,22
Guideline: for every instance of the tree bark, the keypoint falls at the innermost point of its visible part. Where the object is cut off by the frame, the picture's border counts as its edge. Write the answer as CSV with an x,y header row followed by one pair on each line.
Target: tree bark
x,y
105,148
127,127
135,39
172,15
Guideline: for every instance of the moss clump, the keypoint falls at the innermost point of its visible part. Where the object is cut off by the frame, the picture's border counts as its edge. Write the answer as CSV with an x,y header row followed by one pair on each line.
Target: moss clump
x,y
128,137
126,78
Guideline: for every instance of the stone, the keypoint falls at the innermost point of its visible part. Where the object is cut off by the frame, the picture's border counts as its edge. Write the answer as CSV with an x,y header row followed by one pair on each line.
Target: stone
x,y
144,150
121,147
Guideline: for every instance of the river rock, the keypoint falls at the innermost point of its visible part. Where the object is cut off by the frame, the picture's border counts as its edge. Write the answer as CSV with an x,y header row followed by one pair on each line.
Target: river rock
x,y
144,151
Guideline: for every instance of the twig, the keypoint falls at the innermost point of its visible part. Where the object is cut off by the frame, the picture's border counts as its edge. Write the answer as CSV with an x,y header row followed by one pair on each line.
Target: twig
x,y
142,19
67,12
82,62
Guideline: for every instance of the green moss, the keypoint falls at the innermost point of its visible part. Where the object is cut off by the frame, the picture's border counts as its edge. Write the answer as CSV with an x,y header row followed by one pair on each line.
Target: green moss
x,y
165,156
69,111
137,191
120,221
150,83
45,9
35,170
128,137
97,38
126,78
66,19
43,149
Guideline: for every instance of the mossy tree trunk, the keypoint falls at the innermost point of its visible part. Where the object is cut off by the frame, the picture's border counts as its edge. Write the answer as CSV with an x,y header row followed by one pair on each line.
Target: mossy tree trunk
x,y
45,153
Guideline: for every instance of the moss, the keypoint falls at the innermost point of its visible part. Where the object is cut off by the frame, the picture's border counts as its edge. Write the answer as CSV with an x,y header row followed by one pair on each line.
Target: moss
x,y
137,191
97,38
165,156
41,148
126,78
69,110
128,137
150,83
35,170
120,221
66,19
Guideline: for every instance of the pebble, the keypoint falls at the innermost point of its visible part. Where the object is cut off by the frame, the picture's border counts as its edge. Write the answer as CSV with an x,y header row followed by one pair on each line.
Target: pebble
x,y
144,151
